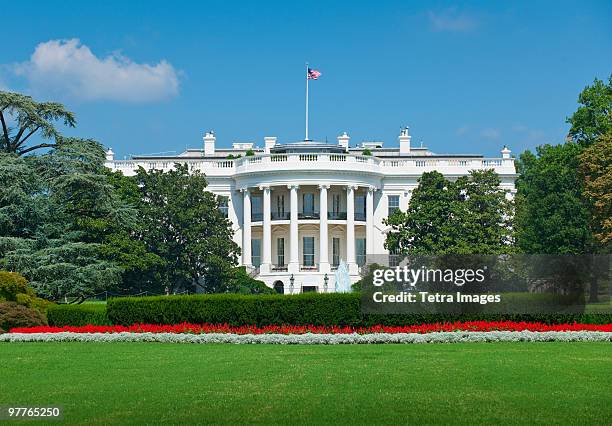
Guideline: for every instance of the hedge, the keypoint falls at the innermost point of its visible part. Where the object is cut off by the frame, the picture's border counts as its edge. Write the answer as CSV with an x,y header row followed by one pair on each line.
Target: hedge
x,y
89,313
303,309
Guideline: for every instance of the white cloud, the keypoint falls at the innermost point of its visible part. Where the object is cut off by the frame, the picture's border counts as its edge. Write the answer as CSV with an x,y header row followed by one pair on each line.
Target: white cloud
x,y
491,134
69,67
451,20
463,130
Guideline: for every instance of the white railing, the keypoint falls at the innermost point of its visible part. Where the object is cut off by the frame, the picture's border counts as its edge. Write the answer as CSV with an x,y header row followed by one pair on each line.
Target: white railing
x,y
299,161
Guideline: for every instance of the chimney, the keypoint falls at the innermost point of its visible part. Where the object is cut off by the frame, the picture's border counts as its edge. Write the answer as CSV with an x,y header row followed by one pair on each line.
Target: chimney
x,y
269,142
209,143
110,155
343,141
505,152
404,141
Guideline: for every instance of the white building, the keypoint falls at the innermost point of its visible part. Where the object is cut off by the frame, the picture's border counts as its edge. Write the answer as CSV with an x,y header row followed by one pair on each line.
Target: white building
x,y
299,209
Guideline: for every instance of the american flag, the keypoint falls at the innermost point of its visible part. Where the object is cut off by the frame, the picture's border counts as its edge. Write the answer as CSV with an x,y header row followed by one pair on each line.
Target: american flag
x,y
313,74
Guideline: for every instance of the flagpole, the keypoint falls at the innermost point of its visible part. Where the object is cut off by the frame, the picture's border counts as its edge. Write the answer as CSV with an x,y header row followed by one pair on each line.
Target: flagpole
x,y
306,101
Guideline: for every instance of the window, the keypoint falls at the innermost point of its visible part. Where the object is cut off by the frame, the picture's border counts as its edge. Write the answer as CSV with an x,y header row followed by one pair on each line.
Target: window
x,y
360,207
336,204
223,205
256,253
335,251
308,205
280,252
280,205
257,208
360,251
308,251
393,203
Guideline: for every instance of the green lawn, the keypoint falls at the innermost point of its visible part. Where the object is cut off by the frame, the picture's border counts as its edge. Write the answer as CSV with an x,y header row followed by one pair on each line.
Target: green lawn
x,y
516,383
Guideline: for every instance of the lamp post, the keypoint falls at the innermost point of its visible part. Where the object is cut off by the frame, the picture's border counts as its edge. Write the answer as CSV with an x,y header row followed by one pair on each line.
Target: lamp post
x,y
291,281
325,280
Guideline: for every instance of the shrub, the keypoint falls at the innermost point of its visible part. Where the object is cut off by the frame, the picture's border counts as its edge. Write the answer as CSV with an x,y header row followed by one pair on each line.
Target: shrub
x,y
14,315
14,288
342,309
14,285
89,313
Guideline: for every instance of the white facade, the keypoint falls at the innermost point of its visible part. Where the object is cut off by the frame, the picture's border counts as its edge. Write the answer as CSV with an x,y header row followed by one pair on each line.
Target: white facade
x,y
275,198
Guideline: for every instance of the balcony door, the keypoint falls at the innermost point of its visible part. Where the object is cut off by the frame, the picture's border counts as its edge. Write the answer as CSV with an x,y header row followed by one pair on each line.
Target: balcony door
x,y
308,204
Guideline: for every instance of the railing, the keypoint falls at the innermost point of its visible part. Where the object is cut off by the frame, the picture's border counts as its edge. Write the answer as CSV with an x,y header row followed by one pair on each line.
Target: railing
x,y
360,216
279,268
336,215
280,216
395,165
256,217
309,268
308,215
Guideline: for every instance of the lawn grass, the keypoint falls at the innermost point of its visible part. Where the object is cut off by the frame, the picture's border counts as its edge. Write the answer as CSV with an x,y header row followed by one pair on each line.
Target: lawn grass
x,y
473,383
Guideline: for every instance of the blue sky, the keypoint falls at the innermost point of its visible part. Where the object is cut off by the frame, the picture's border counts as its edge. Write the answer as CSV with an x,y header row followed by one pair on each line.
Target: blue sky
x,y
147,77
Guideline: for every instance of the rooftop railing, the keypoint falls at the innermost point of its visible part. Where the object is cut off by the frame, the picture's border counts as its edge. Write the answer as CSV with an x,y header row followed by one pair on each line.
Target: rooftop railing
x,y
306,161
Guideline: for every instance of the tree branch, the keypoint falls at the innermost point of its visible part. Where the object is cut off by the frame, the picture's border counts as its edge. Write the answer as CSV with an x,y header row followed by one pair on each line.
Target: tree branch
x,y
4,129
27,136
42,145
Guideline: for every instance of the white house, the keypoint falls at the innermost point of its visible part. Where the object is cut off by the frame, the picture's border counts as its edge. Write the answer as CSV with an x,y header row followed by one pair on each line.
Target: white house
x,y
299,209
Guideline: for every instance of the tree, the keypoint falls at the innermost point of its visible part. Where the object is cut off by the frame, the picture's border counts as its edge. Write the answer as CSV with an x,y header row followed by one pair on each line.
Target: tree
x,y
183,225
426,227
596,170
594,117
551,214
469,216
74,208
483,215
29,117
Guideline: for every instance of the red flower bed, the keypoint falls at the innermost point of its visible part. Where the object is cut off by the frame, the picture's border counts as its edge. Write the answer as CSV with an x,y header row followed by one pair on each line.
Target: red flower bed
x,y
302,329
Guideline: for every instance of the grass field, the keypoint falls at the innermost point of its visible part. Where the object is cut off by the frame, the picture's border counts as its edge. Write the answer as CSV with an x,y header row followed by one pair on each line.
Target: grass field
x,y
514,383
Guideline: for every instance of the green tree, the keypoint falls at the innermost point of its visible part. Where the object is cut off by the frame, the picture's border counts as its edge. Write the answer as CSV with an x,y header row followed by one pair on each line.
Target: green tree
x,y
21,117
483,215
551,214
182,224
594,115
469,216
75,208
426,227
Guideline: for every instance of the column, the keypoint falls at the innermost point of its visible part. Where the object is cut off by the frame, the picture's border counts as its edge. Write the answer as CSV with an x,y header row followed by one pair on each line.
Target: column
x,y
350,229
323,241
266,255
370,221
246,227
294,262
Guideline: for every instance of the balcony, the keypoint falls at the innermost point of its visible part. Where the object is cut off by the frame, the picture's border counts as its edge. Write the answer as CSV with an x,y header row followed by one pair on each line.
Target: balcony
x,y
309,268
280,216
336,215
361,217
308,215
279,268
256,217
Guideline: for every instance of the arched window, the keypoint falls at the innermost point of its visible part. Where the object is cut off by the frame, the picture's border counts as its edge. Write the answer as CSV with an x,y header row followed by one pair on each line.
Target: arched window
x,y
279,287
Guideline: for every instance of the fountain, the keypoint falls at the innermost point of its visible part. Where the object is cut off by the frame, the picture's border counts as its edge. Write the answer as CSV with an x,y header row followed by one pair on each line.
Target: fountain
x,y
342,278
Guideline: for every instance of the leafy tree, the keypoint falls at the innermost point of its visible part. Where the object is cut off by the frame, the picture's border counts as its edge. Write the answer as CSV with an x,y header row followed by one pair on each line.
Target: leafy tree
x,y
596,170
21,117
366,151
243,283
483,214
594,117
182,224
75,209
551,215
469,216
426,227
